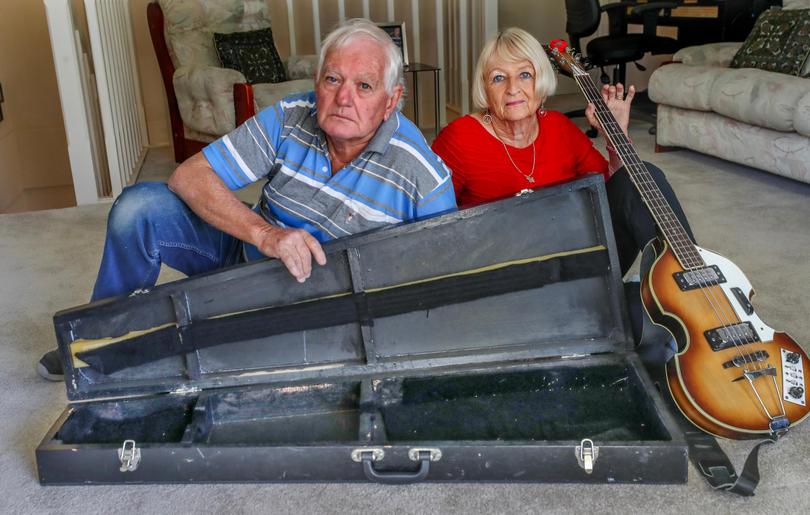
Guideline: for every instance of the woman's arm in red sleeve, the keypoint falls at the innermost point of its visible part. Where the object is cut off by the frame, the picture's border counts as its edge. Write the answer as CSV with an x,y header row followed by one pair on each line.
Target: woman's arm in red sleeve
x,y
588,158
446,146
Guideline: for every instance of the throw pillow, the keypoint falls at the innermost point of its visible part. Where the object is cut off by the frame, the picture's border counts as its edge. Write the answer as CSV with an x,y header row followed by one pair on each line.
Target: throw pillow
x,y
253,53
779,42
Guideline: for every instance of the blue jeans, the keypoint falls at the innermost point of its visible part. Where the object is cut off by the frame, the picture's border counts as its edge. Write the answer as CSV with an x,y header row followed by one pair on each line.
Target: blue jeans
x,y
149,225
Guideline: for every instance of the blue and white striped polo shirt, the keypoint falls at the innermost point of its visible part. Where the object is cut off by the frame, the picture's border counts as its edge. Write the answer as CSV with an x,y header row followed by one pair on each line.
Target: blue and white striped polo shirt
x,y
396,178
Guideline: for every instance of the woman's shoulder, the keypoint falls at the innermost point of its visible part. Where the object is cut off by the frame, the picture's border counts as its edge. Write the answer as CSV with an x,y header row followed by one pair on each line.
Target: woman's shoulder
x,y
459,130
464,123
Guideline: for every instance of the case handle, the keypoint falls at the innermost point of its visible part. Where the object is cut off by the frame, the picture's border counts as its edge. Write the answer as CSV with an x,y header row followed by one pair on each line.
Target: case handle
x,y
397,478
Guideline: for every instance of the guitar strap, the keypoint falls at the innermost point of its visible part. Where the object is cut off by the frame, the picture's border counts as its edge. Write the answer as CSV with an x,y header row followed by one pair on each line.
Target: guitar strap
x,y
706,454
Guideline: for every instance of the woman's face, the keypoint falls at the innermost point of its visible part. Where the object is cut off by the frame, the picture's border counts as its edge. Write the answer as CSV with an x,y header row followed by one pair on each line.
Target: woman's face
x,y
510,89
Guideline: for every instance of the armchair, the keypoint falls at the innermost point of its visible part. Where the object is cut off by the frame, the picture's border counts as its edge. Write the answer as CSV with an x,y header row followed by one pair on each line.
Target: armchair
x,y
206,100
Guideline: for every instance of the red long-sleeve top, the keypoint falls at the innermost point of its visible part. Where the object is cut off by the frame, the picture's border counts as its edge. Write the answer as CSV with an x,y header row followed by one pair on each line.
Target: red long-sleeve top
x,y
483,172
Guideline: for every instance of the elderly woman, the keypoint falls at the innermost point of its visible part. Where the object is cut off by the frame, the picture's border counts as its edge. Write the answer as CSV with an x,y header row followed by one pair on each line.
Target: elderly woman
x,y
513,143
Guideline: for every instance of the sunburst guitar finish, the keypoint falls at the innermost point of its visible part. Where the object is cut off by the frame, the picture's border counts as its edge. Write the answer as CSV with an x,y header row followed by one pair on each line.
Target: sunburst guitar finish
x,y
732,375
744,381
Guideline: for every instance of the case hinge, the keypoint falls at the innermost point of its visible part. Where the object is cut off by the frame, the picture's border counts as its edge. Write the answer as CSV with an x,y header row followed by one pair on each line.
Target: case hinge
x,y
377,453
130,456
435,454
587,453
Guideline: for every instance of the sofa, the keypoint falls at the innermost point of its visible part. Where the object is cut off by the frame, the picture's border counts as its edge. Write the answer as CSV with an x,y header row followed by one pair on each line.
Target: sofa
x,y
200,91
749,116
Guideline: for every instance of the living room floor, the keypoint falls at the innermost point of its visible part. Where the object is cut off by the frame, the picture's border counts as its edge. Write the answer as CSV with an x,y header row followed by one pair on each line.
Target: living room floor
x,y
48,261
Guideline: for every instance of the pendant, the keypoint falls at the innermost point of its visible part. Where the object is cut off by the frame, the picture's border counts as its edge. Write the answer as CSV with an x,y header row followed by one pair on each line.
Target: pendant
x,y
529,178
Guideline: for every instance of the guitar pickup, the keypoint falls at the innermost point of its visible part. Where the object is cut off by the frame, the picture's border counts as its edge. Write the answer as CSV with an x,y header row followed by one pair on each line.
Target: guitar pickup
x,y
732,335
699,277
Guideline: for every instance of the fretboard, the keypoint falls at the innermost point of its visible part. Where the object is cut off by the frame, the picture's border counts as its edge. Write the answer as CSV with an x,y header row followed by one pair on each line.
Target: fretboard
x,y
668,224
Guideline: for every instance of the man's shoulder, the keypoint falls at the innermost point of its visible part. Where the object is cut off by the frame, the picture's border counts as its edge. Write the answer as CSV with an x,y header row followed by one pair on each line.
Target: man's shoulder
x,y
410,154
305,100
297,105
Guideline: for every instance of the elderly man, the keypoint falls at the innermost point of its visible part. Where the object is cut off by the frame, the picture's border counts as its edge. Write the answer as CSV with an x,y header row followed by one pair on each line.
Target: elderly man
x,y
338,161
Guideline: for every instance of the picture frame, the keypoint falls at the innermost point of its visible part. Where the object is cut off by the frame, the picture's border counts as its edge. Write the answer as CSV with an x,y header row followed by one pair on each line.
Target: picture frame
x,y
396,31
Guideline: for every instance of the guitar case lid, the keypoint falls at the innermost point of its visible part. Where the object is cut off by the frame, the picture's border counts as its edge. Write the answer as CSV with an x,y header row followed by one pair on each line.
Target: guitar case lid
x,y
528,277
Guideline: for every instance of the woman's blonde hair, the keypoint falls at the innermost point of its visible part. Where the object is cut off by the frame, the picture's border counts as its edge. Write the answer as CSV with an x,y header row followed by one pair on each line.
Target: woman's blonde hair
x,y
513,45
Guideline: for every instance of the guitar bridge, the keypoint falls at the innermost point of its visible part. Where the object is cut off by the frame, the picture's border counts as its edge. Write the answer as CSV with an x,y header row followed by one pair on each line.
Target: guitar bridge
x,y
732,335
699,277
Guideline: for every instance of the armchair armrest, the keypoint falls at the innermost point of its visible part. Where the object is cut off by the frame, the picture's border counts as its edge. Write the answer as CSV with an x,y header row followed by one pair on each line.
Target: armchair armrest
x,y
301,66
205,97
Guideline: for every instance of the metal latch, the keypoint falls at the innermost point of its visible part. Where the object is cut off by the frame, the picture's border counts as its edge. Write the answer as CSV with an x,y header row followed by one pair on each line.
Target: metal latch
x,y
587,453
377,453
435,454
130,456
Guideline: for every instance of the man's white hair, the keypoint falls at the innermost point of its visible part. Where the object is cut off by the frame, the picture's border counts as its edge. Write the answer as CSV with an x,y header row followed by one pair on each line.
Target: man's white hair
x,y
354,29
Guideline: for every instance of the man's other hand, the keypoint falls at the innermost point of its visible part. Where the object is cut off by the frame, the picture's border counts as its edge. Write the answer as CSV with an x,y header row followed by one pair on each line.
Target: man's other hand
x,y
294,247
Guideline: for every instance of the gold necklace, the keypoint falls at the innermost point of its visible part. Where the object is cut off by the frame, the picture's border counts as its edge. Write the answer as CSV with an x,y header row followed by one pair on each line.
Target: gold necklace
x,y
530,176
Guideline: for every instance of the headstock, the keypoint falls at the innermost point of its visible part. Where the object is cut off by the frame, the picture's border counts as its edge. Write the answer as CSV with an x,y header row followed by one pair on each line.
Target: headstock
x,y
564,59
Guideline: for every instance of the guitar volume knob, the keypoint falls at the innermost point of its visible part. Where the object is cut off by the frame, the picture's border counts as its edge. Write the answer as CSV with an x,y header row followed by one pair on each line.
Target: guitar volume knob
x,y
796,392
792,357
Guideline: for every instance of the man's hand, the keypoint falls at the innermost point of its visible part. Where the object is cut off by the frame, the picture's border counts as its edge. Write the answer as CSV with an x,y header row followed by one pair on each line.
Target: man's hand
x,y
199,187
618,104
294,247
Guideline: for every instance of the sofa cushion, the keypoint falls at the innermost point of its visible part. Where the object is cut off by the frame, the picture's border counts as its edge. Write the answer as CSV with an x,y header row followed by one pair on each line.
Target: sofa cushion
x,y
801,121
779,42
711,54
253,53
795,4
783,153
689,87
758,97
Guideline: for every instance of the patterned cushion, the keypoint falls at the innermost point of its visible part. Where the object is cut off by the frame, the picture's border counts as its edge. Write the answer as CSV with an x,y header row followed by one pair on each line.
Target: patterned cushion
x,y
779,42
253,53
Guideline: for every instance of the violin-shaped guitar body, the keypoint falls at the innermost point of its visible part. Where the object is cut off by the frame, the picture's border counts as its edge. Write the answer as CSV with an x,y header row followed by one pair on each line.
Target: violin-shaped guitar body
x,y
732,376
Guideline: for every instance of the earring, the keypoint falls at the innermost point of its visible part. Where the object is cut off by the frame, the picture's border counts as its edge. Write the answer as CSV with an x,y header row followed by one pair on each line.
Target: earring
x,y
487,117
542,110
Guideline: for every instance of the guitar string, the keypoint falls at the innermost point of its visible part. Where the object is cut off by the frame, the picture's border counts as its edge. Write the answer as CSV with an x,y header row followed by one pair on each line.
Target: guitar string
x,y
640,170
649,187
738,334
709,292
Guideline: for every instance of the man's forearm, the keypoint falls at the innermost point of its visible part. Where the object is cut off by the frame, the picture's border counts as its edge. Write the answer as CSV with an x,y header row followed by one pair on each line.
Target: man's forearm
x,y
204,192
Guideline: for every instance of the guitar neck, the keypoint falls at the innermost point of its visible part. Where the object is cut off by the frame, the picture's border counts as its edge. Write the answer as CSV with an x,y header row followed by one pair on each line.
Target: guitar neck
x,y
668,224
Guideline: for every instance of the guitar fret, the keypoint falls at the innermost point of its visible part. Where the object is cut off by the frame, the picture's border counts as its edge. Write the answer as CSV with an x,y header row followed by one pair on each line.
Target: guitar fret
x,y
666,220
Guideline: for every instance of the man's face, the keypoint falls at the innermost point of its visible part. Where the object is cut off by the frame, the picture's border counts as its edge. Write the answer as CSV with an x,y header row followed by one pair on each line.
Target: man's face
x,y
351,97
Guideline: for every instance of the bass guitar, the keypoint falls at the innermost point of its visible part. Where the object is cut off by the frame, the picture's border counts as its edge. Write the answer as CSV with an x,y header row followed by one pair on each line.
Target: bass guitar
x,y
732,375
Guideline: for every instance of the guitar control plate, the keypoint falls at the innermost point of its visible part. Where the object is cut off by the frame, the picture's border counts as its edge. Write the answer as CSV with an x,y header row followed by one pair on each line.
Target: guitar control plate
x,y
793,387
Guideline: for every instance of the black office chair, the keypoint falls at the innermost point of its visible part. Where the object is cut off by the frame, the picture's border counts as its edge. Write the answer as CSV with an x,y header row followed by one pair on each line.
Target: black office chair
x,y
617,48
